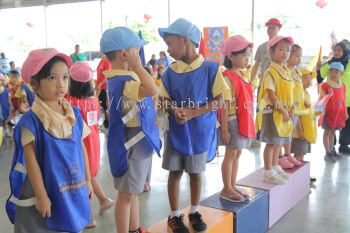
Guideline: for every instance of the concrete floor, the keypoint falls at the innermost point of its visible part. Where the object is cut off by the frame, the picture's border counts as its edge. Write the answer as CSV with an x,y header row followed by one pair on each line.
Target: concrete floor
x,y
325,210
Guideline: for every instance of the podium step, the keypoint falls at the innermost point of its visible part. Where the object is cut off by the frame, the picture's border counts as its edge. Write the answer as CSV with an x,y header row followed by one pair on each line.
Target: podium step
x,y
281,197
218,221
251,216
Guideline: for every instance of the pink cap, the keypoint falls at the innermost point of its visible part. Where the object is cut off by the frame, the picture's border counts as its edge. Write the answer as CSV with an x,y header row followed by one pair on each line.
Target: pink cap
x,y
234,44
37,59
81,72
273,21
277,39
2,77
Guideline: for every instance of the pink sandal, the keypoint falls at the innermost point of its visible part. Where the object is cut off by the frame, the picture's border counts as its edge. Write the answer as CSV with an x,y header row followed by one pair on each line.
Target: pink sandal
x,y
232,197
294,160
284,163
245,195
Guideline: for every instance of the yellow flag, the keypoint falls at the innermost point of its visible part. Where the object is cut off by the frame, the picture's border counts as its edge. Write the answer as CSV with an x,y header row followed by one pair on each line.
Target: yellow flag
x,y
315,59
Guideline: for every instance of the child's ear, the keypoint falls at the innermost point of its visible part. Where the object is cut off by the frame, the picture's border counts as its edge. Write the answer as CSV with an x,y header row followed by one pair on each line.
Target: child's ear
x,y
34,84
123,54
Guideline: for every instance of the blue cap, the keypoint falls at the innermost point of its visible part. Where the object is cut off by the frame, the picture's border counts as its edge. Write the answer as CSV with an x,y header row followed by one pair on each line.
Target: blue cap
x,y
337,66
15,71
120,38
182,27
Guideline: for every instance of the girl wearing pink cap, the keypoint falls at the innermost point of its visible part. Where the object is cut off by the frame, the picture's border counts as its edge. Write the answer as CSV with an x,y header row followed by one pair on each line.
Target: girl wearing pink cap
x,y
237,116
277,106
50,177
81,95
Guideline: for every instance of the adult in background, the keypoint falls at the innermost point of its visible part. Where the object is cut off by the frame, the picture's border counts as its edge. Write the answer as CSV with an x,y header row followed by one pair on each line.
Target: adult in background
x,y
262,57
4,64
340,54
77,56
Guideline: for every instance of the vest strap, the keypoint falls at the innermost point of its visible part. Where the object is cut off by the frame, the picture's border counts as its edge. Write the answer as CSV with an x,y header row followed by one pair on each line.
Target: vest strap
x,y
134,140
20,168
23,203
127,117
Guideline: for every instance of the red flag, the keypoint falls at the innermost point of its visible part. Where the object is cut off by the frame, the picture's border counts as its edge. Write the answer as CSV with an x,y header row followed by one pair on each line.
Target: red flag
x,y
202,47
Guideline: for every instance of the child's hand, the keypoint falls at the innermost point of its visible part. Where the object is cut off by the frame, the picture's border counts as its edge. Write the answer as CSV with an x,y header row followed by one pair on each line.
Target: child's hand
x,y
90,189
302,136
133,57
43,205
180,116
285,115
226,137
292,111
307,104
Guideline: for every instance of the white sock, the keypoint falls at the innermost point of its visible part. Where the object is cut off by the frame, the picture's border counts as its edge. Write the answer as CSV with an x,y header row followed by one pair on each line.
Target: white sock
x,y
277,168
175,213
271,172
194,209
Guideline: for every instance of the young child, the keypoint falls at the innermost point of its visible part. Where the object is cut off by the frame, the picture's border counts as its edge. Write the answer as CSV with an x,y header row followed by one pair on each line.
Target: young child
x,y
237,117
278,108
133,134
191,84
50,178
5,105
335,113
81,95
25,96
298,98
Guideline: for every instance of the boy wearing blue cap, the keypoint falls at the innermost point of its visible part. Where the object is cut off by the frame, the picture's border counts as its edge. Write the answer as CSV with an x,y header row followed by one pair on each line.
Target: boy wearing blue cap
x,y
133,134
335,113
192,85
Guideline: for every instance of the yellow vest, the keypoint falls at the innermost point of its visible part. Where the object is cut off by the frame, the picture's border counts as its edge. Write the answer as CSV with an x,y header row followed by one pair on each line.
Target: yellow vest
x,y
284,93
309,124
298,94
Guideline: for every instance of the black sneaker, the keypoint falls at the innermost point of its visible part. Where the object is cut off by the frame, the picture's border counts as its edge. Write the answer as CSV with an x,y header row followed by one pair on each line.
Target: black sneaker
x,y
197,222
9,123
344,149
312,180
177,225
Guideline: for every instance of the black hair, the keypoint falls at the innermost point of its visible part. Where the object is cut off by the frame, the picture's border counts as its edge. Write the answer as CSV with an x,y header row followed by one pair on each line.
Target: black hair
x,y
111,55
148,70
80,89
14,71
162,52
12,62
227,62
45,71
295,47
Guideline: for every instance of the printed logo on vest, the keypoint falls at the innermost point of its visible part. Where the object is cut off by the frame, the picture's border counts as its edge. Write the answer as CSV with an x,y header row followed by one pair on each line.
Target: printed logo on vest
x,y
91,118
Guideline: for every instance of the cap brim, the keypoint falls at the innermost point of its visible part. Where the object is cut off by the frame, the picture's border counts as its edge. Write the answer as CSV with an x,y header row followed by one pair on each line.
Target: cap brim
x,y
163,31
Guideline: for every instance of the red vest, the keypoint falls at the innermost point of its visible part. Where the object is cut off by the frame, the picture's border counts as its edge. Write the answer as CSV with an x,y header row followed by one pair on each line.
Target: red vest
x,y
245,104
336,107
90,110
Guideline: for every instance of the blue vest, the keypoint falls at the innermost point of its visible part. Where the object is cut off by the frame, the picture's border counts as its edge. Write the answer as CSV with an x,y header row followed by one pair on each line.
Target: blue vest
x,y
117,151
193,89
30,94
5,104
62,165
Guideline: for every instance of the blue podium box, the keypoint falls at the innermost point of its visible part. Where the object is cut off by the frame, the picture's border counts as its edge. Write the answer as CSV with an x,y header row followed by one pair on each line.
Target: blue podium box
x,y
251,216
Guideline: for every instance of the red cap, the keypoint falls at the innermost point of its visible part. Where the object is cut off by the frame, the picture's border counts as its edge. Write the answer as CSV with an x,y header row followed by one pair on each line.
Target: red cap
x,y
273,21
